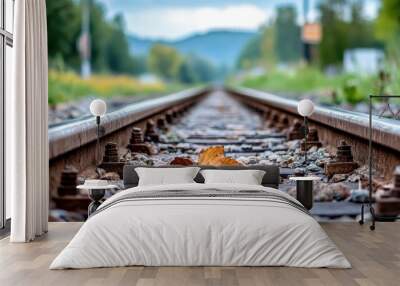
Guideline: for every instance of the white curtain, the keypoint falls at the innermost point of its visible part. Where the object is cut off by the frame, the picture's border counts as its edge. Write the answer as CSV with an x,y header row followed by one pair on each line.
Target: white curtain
x,y
26,124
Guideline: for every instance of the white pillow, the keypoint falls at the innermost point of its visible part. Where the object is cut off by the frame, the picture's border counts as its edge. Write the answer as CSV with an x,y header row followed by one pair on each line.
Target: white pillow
x,y
247,177
166,176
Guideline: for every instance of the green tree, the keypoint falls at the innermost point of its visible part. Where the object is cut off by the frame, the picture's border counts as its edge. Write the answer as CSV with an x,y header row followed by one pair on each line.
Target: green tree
x,y
119,58
251,55
186,73
360,30
334,29
63,26
268,52
287,36
260,50
139,65
341,33
100,31
203,69
388,27
164,61
110,50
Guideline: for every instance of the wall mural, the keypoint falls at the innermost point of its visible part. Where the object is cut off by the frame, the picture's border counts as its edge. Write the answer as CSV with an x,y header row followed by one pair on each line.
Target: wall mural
x,y
217,129
188,98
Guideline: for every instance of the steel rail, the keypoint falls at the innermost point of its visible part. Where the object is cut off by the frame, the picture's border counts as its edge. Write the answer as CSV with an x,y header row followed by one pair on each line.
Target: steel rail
x,y
72,136
385,132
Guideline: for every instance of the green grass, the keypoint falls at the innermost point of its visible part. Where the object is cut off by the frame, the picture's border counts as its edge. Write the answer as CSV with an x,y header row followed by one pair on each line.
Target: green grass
x,y
68,86
349,88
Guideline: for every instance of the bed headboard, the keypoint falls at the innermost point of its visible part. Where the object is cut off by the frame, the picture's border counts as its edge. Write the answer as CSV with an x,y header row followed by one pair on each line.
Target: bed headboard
x,y
270,179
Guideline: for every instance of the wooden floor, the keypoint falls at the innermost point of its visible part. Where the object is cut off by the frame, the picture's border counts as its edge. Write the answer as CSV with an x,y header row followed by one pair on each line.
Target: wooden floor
x,y
375,257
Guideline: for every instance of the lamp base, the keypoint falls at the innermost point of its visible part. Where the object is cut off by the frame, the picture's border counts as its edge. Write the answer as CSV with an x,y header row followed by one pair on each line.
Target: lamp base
x,y
305,193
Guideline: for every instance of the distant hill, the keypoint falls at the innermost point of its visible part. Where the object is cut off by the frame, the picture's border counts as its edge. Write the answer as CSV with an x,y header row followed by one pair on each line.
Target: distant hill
x,y
220,47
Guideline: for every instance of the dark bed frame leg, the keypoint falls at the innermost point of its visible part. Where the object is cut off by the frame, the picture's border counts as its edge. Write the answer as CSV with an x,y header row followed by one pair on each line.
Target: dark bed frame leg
x,y
361,221
95,196
372,226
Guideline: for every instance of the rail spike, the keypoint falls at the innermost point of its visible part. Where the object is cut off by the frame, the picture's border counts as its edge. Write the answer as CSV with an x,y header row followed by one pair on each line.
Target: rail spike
x,y
151,134
274,120
111,161
69,181
283,122
343,162
169,117
312,140
137,144
267,114
174,114
294,132
162,124
111,153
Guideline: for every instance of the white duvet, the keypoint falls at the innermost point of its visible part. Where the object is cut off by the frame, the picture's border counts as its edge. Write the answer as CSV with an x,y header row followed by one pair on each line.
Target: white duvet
x,y
200,231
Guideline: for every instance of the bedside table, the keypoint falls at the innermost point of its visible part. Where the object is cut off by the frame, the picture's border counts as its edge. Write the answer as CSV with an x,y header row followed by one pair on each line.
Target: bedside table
x,y
96,194
304,190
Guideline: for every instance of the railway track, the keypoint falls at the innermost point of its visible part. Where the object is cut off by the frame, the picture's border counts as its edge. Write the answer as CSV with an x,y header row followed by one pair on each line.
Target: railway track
x,y
254,128
75,144
334,125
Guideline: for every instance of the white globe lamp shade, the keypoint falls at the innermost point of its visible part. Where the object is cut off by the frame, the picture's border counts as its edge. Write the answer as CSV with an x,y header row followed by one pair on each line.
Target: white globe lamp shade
x,y
98,107
305,107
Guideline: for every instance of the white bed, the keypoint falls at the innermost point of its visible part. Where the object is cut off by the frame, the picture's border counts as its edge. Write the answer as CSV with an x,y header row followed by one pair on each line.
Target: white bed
x,y
268,228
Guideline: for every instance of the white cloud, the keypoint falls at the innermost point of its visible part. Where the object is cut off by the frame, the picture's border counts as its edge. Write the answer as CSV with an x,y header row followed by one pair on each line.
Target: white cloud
x,y
177,22
371,9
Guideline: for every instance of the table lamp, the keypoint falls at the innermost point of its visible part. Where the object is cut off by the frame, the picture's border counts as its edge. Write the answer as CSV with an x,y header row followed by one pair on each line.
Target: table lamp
x,y
305,108
98,108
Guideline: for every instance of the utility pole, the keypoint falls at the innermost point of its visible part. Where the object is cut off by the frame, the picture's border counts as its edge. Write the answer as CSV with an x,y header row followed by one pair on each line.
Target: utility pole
x,y
306,8
84,43
306,46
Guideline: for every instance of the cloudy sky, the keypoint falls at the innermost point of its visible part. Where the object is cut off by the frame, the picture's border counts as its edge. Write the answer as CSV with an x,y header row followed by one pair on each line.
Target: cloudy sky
x,y
171,19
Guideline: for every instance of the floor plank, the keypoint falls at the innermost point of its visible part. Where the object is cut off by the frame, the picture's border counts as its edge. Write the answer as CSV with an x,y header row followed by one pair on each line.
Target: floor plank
x,y
375,257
